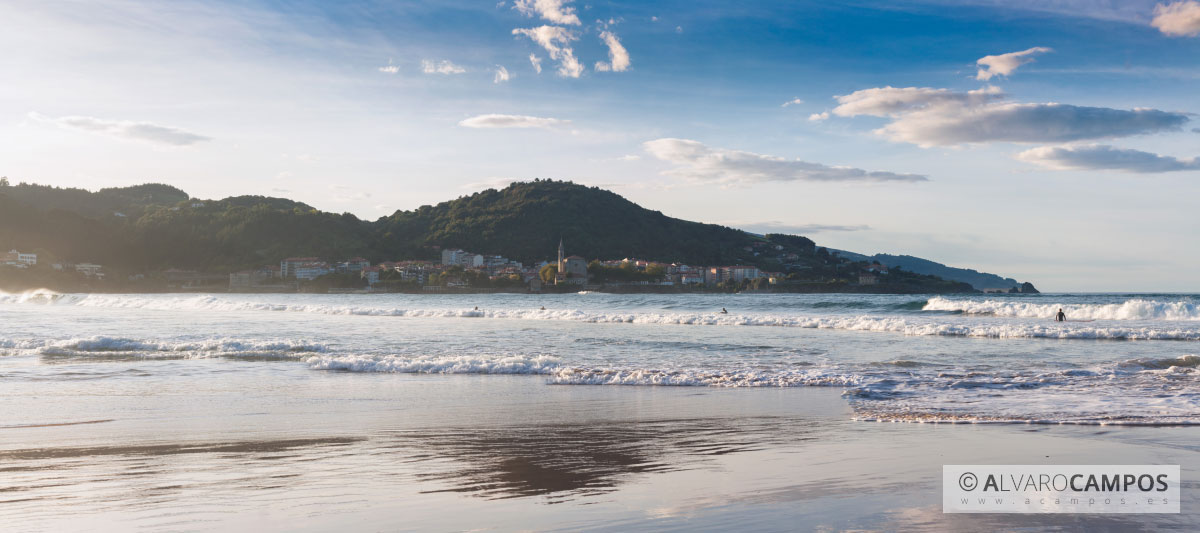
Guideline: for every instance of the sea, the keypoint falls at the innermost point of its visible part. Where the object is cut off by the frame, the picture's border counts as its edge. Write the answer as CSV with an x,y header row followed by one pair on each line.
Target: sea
x,y
1117,359
99,391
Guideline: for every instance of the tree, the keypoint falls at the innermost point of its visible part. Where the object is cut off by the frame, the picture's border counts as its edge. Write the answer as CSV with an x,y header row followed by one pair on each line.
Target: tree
x,y
4,181
547,273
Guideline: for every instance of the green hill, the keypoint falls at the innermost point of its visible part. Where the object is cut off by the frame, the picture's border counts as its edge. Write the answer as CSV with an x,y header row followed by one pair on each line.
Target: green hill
x,y
524,221
150,228
979,280
129,201
157,226
154,227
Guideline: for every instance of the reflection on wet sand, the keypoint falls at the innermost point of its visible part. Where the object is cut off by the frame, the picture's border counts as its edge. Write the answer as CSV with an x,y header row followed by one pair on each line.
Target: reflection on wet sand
x,y
566,461
245,447
56,424
225,474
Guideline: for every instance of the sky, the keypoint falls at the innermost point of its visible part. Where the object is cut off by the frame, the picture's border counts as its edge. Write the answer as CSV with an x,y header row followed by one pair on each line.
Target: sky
x,y
1055,142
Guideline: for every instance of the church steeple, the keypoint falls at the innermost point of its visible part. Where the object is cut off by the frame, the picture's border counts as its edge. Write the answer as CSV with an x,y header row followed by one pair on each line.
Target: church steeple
x,y
562,265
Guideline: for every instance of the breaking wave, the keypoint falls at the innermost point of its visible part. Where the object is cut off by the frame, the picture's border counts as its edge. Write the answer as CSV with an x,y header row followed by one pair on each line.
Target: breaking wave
x,y
897,390
561,374
1133,309
30,296
104,346
907,325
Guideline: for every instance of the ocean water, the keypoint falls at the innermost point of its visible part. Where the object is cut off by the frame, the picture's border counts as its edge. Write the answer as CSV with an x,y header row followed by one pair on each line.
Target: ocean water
x,y
1119,359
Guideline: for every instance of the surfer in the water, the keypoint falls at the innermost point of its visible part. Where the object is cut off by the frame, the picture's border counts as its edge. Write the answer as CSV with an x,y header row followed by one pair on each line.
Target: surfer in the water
x,y
724,312
1061,316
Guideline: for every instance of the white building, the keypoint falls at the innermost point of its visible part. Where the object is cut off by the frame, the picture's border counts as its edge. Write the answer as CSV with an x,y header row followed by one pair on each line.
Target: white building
x,y
287,267
736,274
356,264
90,270
14,257
371,274
741,273
310,271
453,257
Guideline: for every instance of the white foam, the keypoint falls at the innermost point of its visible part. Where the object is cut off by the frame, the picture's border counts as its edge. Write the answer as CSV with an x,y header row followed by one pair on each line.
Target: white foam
x,y
696,378
908,325
561,374
1133,309
101,345
29,296
437,365
1136,391
1144,391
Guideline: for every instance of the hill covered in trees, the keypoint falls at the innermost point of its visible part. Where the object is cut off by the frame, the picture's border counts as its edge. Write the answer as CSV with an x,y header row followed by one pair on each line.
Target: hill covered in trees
x,y
153,227
525,221
157,226
979,280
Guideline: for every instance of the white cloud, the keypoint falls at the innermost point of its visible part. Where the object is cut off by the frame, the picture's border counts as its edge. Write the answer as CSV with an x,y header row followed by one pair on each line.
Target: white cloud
x,y
141,131
511,121
1103,157
698,162
536,62
555,40
501,74
618,56
1005,64
441,67
891,101
629,157
390,69
932,117
793,101
817,117
556,11
1178,19
1025,123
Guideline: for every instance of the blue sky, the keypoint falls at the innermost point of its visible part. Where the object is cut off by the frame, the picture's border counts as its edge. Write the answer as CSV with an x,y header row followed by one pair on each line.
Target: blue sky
x,y
1070,161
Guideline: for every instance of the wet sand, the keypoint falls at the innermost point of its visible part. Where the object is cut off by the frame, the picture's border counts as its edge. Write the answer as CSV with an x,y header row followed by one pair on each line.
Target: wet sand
x,y
319,451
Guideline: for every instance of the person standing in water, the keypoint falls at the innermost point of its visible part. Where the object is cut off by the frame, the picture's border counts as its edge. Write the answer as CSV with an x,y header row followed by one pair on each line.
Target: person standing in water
x,y
1061,316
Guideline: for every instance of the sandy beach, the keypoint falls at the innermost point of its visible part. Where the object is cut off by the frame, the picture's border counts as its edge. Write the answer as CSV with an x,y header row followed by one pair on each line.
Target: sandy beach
x,y
314,451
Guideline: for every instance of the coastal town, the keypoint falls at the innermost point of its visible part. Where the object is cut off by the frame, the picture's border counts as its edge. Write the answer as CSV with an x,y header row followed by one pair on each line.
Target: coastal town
x,y
461,270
